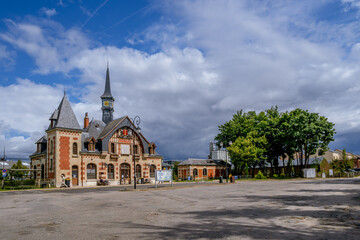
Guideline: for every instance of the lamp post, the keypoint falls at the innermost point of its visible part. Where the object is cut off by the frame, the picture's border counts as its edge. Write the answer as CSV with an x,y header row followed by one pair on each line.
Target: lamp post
x,y
136,122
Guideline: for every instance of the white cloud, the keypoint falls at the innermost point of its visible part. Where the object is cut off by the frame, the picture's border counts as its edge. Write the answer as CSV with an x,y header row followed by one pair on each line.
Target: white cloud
x,y
221,57
48,12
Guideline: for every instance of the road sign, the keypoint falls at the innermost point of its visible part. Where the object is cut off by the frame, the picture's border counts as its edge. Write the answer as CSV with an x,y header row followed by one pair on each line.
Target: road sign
x,y
4,170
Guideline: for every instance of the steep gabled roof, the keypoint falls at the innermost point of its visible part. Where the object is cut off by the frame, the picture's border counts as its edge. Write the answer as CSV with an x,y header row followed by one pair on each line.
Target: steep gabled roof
x,y
64,115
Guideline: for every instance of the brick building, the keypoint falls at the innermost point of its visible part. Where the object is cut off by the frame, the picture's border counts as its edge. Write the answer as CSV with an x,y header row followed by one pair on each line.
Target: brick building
x,y
102,149
201,169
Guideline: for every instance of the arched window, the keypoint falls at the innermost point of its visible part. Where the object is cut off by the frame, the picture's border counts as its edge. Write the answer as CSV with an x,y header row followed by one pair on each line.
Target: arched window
x,y
75,148
152,171
138,171
111,171
51,164
112,147
204,172
91,171
195,171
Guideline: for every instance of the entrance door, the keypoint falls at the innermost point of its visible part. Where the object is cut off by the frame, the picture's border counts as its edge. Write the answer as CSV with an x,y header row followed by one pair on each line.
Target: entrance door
x,y
125,174
74,175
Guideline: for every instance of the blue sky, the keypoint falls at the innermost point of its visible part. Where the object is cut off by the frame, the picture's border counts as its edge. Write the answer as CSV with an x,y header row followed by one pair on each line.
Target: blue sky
x,y
184,66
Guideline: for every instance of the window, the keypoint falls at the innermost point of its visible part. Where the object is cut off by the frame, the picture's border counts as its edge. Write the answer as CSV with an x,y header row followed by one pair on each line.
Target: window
x,y
75,149
136,150
51,146
35,173
51,164
111,171
138,171
42,171
112,147
195,171
152,171
91,146
91,171
204,172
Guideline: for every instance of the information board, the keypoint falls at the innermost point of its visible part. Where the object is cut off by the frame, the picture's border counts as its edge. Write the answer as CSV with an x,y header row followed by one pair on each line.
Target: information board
x,y
164,175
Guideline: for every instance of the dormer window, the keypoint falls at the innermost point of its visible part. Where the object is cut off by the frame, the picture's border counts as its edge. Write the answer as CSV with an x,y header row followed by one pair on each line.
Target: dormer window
x,y
91,146
112,147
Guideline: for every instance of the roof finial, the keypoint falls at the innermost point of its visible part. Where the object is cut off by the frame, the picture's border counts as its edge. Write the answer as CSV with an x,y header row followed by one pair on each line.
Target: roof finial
x,y
64,91
107,61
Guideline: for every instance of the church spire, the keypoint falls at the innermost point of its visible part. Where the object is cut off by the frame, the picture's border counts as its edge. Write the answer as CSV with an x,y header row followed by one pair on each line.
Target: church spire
x,y
107,91
107,100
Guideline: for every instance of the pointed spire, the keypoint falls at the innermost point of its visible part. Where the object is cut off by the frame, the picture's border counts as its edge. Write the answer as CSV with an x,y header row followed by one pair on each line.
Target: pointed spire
x,y
107,91
64,116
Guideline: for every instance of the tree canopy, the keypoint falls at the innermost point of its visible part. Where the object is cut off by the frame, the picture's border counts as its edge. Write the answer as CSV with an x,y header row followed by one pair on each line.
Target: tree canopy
x,y
281,134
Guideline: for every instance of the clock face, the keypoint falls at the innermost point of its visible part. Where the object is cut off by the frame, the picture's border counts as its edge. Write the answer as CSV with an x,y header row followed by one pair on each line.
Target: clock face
x,y
106,103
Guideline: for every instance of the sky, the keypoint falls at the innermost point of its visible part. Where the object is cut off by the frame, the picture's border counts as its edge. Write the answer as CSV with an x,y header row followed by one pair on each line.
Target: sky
x,y
185,67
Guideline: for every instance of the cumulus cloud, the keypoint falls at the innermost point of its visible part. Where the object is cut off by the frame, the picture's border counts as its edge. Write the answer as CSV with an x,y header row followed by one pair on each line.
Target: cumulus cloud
x,y
47,42
208,61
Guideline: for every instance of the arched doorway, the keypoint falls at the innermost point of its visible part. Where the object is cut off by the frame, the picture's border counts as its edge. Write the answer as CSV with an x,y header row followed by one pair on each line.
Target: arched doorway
x,y
195,173
125,173
42,171
35,173
75,174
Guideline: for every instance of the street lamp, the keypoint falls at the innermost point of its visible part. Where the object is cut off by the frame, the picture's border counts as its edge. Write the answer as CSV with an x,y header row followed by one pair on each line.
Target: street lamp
x,y
136,122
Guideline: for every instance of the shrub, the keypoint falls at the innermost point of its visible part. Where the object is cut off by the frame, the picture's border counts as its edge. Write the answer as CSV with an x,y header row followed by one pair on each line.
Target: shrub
x,y
260,175
275,176
282,175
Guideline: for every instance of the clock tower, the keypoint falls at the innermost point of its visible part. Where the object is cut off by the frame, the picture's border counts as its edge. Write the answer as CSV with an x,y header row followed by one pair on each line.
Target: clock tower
x,y
107,101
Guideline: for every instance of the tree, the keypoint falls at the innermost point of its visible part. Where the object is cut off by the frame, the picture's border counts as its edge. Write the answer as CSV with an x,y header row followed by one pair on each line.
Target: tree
x,y
175,170
287,133
248,151
18,174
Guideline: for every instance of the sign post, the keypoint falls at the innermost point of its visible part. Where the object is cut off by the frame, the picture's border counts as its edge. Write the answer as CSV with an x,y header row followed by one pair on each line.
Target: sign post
x,y
4,174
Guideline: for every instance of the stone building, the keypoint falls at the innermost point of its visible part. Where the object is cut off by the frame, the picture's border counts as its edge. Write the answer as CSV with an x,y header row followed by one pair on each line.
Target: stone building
x,y
102,149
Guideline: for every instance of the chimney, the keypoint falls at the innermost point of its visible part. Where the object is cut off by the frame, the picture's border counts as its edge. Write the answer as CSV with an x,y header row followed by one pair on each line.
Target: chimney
x,y
86,120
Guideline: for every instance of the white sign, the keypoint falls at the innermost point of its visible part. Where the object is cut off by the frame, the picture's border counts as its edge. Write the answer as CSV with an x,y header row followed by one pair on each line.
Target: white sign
x,y
331,172
164,175
125,149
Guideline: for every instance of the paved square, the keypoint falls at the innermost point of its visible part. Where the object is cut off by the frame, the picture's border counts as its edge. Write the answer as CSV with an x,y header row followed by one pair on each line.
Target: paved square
x,y
289,209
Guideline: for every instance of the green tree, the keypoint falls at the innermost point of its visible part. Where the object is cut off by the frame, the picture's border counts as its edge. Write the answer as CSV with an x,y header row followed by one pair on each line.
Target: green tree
x,y
175,170
18,174
248,151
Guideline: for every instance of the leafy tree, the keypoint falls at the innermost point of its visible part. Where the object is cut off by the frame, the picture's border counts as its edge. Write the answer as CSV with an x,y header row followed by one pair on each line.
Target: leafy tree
x,y
287,133
18,174
175,170
248,151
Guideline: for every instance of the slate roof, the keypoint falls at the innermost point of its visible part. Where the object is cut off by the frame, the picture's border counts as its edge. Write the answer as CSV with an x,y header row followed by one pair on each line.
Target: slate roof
x,y
110,126
42,140
202,162
107,91
95,128
64,116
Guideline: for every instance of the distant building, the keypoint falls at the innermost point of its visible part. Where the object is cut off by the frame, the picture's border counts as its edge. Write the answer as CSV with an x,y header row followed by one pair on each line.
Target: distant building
x,y
102,149
201,169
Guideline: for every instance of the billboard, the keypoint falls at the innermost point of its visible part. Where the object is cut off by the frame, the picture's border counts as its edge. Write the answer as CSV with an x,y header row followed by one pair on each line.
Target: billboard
x,y
164,175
